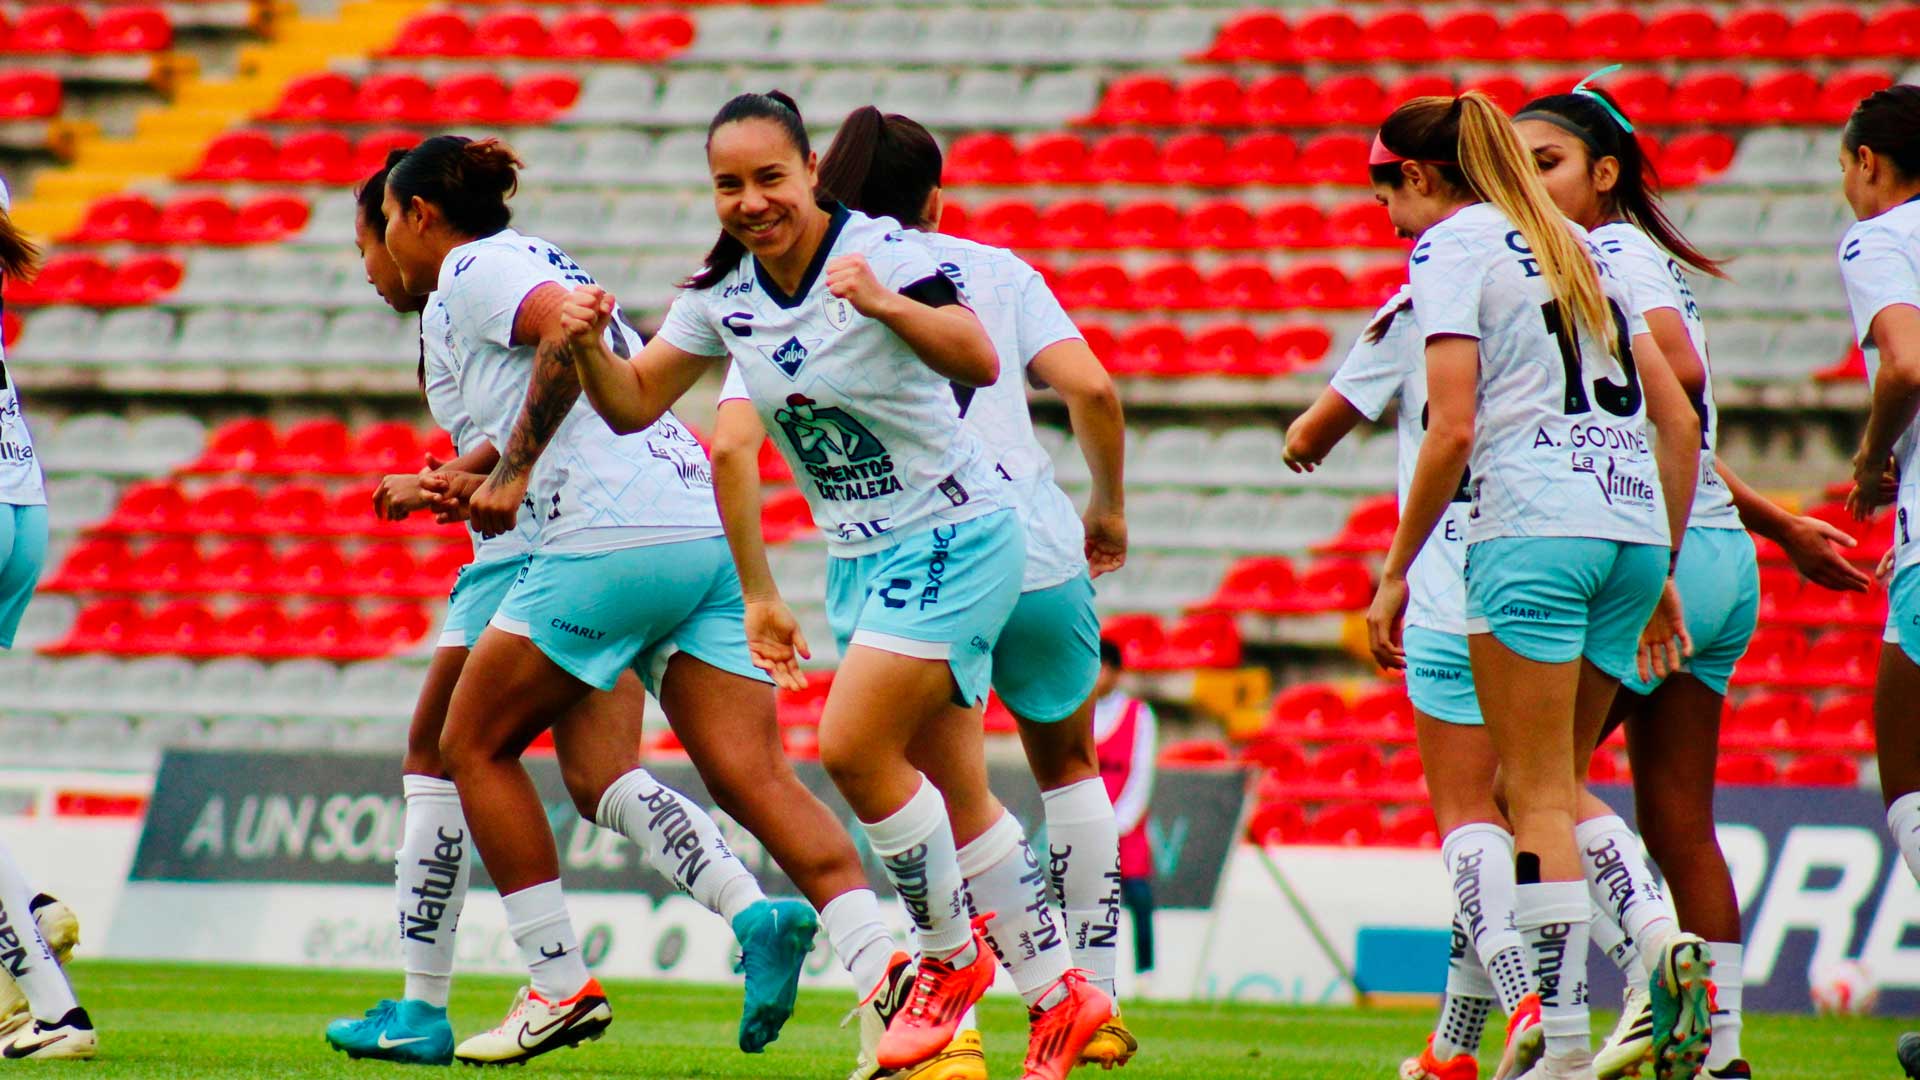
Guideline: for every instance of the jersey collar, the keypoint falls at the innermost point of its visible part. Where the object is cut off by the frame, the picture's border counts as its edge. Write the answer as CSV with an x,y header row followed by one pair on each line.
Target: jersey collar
x,y
840,215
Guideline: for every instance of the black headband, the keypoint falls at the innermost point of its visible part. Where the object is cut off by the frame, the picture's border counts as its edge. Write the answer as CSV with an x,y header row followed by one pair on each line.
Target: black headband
x,y
1570,126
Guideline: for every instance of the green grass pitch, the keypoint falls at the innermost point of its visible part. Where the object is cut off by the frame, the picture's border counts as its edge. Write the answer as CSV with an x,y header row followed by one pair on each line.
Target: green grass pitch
x,y
217,1023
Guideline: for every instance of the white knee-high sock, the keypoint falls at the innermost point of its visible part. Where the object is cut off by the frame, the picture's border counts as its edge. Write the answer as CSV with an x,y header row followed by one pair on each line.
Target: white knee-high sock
x,y
1083,869
431,872
1607,936
859,936
1903,821
915,845
679,841
1004,878
1622,884
1479,862
537,918
1728,981
1553,917
1468,1002
24,953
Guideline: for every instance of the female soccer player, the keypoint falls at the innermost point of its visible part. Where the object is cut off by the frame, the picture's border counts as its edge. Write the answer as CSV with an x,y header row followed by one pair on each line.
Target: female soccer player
x,y
1880,263
433,863
1579,488
629,572
1387,365
848,339
43,928
1594,169
1047,660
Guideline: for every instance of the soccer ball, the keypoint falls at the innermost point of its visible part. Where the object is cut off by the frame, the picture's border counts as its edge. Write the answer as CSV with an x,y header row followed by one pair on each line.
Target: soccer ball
x,y
1843,988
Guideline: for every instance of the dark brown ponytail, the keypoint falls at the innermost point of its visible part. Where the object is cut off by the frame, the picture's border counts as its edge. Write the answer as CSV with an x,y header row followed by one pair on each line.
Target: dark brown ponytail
x,y
19,256
883,166
469,180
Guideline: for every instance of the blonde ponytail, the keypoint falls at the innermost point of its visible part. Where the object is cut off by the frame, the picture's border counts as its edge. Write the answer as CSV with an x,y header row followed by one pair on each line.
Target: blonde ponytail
x,y
1501,171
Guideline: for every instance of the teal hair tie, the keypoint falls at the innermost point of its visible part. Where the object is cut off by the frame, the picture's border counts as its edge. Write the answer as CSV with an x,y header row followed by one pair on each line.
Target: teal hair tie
x,y
1581,89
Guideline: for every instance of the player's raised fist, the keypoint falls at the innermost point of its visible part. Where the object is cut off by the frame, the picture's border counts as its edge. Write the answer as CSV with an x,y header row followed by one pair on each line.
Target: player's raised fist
x,y
851,279
585,312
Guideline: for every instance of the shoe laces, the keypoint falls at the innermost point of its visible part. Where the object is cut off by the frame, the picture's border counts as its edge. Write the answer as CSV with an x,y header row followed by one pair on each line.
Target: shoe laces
x,y
928,981
384,1010
1047,1022
519,1008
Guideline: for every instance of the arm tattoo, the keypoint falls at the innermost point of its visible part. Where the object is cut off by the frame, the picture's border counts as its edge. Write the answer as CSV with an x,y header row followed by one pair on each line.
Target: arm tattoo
x,y
551,393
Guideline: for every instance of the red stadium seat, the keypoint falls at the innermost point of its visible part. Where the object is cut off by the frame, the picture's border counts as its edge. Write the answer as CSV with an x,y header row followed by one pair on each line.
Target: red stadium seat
x,y
1253,35
1827,31
1644,96
127,218
1469,34
1338,584
1155,224
393,628
1425,84
1740,768
1604,33
1349,765
1405,769
1262,159
1079,224
1284,762
1124,159
1291,346
1695,156
1173,286
315,568
1604,767
1359,225
238,155
166,566
1506,91
1228,349
1245,284
1261,583
1096,283
1053,159
1398,35
295,510
1152,347
103,626
141,279
536,99
1768,718
1197,158
270,218
323,156
1334,159
1756,33
1013,223
1541,33
68,278
511,32
1329,35
1821,770
1314,284
1846,658
1277,823
659,34
26,95
1377,283
312,446
183,627
1383,712
785,515
238,446
196,220
1138,100
803,707
1349,824
95,565
981,158
147,506
1681,33
1291,224
1196,752
1773,657
331,629
1369,527
1140,637
589,35
51,28
773,465
1210,101
387,447
1843,91
1708,97
1285,100
243,566
370,152
391,97
437,32
1411,827
1844,722
1894,31
1307,711
1223,224
328,96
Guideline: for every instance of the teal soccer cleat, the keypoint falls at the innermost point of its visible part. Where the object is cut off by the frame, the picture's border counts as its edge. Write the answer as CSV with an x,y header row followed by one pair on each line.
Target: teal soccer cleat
x,y
409,1031
775,937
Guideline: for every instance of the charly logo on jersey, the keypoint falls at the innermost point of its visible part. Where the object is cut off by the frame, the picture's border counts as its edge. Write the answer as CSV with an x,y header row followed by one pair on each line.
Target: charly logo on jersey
x,y
839,453
839,313
789,354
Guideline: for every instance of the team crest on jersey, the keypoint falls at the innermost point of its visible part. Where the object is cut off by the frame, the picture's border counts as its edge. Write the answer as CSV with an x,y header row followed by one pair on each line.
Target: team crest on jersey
x,y
839,453
839,313
789,355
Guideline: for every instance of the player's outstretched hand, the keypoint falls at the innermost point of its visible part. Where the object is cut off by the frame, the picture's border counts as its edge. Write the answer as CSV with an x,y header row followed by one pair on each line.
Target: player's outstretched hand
x,y
495,507
585,312
1815,546
1665,643
776,644
397,495
851,279
1106,546
1385,623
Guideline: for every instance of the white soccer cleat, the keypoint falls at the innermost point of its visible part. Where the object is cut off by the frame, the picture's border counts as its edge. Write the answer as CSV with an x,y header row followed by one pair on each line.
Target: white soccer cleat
x,y
61,929
1631,1043
535,1026
1555,1069
877,1011
70,1038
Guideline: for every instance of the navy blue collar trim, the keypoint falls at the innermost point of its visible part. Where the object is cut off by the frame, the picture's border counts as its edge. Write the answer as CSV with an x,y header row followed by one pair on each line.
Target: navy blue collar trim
x,y
840,215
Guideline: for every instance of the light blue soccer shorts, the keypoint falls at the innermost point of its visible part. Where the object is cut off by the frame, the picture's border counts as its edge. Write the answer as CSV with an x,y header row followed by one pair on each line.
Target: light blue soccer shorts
x,y
1556,598
23,555
1719,581
476,595
1048,656
1440,676
599,613
941,593
1903,612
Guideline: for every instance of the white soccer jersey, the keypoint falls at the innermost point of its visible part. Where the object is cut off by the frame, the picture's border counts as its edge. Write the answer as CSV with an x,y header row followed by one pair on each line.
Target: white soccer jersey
x,y
1561,446
591,490
874,434
1657,281
1373,376
1880,263
449,410
1022,317
21,483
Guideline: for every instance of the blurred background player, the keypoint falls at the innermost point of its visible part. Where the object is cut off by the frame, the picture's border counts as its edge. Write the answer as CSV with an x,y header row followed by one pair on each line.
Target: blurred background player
x,y
39,1017
629,572
1597,173
1512,305
1880,264
1127,737
1046,660
926,554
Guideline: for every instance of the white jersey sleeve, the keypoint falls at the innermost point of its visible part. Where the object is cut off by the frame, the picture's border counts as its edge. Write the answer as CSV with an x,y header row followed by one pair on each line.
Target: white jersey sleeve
x,y
1880,265
1561,445
1657,282
733,387
1022,317
873,435
1370,376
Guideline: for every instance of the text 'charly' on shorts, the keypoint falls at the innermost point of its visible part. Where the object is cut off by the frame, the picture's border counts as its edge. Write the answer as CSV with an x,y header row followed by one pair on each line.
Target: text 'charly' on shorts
x,y
596,614
1719,581
941,593
1553,599
1440,675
